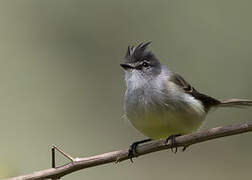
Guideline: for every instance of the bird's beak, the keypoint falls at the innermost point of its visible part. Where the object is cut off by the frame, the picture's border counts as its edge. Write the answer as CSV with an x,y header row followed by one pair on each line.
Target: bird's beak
x,y
126,66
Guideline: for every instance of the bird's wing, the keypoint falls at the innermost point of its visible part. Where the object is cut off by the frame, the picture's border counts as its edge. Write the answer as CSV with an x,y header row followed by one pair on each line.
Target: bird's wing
x,y
207,101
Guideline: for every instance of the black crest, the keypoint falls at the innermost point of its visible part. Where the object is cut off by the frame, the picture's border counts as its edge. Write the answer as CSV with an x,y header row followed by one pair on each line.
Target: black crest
x,y
138,53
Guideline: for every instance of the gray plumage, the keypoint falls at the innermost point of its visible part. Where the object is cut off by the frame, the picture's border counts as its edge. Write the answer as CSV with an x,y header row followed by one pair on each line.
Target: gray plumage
x,y
159,102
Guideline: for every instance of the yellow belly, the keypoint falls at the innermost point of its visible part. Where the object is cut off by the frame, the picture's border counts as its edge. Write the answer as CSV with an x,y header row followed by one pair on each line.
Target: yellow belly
x,y
162,125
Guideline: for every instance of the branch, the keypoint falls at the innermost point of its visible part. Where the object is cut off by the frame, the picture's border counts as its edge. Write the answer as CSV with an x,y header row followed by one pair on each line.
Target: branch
x,y
121,155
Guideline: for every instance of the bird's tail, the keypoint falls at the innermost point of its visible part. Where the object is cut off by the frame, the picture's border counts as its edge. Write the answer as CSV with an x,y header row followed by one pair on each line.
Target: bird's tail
x,y
239,103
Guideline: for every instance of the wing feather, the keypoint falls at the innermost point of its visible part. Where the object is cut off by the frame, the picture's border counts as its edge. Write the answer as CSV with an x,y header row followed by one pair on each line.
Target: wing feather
x,y
206,100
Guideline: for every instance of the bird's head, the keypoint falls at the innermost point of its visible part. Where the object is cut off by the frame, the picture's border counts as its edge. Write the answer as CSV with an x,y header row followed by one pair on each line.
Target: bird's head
x,y
141,61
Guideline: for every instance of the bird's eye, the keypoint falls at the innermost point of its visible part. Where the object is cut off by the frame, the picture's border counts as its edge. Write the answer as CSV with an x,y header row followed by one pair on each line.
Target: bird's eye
x,y
145,64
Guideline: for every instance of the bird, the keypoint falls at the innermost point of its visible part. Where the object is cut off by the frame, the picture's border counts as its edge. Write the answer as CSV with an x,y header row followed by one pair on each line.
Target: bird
x,y
159,102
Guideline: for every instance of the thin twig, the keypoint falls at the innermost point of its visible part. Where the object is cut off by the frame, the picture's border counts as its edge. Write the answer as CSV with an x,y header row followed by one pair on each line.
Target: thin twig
x,y
53,156
62,152
121,155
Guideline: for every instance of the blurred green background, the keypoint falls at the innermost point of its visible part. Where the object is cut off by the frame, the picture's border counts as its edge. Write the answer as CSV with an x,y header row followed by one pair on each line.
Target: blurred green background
x,y
61,83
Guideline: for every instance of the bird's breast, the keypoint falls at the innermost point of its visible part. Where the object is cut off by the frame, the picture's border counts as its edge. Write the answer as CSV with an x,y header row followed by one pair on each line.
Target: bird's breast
x,y
159,114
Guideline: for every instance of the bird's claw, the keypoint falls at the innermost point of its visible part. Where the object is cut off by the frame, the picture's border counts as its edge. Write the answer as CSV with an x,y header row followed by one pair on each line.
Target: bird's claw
x,y
184,148
173,142
132,150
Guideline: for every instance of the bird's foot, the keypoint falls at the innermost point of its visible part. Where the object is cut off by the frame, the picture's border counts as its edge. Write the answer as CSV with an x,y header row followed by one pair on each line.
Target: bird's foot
x,y
173,142
132,150
184,148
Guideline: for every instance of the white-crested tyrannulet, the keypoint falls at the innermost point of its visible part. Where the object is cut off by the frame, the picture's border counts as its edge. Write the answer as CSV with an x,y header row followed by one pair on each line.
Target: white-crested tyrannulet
x,y
159,102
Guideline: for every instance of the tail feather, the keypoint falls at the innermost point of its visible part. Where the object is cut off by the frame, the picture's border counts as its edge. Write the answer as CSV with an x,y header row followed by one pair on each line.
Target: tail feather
x,y
239,103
